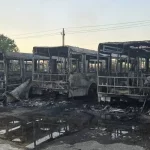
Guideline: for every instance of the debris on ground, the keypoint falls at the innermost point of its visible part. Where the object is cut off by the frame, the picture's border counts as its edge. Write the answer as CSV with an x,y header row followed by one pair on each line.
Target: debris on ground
x,y
145,117
46,119
114,113
18,93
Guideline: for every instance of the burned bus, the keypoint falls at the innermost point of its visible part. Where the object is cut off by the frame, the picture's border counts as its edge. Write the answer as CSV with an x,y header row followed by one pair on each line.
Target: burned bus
x,y
15,68
127,73
71,71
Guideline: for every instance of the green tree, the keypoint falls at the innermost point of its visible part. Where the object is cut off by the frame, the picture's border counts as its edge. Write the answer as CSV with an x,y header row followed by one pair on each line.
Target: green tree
x,y
7,44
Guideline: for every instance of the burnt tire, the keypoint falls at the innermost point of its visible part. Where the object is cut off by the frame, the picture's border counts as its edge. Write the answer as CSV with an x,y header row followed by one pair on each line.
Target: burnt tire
x,y
92,92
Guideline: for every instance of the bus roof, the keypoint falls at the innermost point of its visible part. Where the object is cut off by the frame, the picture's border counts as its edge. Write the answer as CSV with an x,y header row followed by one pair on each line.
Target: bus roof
x,y
25,56
132,48
64,49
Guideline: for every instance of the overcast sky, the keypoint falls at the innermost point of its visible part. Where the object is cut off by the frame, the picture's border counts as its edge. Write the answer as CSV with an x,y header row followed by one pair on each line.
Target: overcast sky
x,y
20,17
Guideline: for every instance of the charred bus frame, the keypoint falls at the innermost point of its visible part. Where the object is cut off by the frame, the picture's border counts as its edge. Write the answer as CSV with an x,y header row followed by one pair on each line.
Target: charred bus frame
x,y
128,70
15,68
71,70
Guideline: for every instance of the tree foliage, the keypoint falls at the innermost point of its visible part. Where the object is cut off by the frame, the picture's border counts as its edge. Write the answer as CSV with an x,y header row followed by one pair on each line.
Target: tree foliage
x,y
7,44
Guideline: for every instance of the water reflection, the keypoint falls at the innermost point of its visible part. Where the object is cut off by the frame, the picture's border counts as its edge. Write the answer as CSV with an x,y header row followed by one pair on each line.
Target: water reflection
x,y
38,130
16,140
118,133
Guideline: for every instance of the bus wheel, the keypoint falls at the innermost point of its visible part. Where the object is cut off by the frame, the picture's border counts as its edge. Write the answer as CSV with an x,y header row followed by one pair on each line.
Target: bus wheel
x,y
92,92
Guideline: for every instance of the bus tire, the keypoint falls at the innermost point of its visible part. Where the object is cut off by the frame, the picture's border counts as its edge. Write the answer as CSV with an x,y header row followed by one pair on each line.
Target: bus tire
x,y
92,91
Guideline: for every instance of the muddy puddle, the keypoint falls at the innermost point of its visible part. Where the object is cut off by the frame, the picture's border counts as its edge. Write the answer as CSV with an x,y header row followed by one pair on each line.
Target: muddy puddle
x,y
35,133
32,133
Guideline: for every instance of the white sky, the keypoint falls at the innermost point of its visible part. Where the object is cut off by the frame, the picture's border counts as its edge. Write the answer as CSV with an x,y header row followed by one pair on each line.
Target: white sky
x,y
30,16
